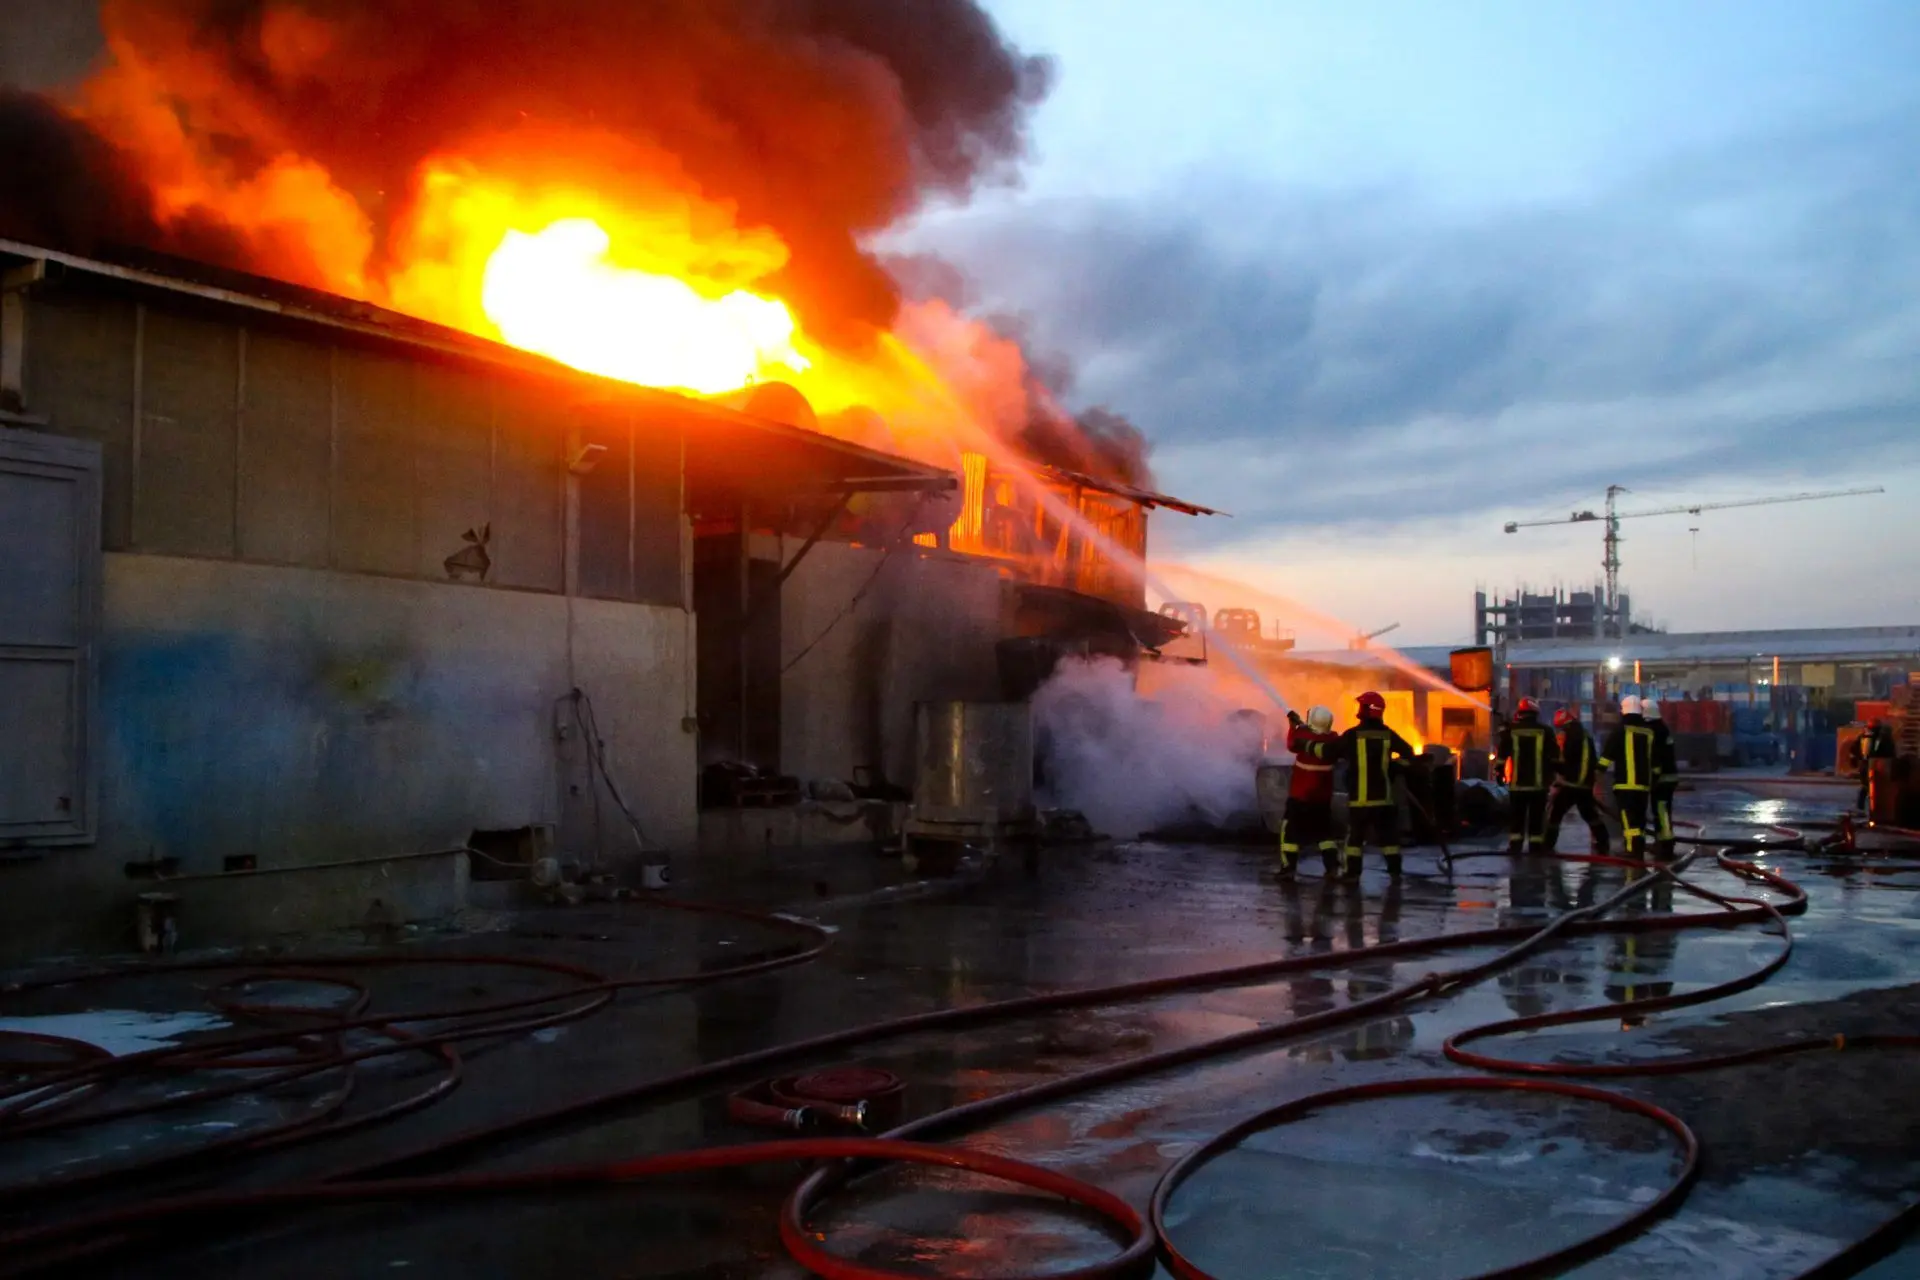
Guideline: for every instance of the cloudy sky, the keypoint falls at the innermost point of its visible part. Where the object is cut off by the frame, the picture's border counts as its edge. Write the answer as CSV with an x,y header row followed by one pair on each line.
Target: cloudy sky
x,y
1378,278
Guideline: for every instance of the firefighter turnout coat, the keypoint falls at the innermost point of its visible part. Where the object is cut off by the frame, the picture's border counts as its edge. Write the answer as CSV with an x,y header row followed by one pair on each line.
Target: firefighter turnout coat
x,y
1629,753
1372,751
1530,753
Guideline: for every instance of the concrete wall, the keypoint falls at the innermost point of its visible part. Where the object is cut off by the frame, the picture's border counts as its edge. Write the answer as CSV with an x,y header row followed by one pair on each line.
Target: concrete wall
x,y
287,672
925,630
306,716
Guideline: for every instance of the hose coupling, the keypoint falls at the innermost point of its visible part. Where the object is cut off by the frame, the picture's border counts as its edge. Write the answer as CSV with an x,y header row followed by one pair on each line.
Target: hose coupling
x,y
852,1115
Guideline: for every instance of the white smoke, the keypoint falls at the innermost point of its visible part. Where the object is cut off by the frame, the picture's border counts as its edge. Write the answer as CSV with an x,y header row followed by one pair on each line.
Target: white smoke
x,y
1133,765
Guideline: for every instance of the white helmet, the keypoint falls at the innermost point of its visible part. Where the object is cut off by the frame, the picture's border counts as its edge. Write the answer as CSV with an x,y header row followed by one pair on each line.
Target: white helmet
x,y
1652,711
1319,719
1630,706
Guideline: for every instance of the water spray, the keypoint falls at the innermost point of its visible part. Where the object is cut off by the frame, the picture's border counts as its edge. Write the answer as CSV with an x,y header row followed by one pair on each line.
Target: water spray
x,y
1006,458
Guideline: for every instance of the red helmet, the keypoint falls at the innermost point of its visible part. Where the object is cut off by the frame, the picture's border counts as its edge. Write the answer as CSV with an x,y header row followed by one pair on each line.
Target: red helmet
x,y
1562,718
1372,705
1527,707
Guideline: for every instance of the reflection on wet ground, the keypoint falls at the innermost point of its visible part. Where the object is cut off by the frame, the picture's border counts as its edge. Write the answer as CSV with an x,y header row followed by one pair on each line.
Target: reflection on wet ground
x,y
1801,1156
1393,1185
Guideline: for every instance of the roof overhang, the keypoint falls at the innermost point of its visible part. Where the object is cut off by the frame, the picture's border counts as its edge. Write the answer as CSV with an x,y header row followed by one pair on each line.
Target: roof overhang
x,y
1145,497
732,456
1066,614
1427,657
1840,644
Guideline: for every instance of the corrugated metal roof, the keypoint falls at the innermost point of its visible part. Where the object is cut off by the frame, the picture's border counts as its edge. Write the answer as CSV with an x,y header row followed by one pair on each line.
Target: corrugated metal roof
x,y
1836,644
1434,657
300,303
307,306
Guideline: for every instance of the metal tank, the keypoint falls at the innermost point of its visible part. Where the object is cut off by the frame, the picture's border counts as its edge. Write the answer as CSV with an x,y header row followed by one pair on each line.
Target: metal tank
x,y
973,778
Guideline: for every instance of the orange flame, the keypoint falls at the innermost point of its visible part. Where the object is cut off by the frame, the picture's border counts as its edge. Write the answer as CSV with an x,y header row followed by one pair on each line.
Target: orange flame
x,y
557,292
593,249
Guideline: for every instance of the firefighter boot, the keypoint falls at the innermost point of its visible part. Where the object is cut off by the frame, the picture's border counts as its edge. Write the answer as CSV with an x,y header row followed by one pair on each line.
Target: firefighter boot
x,y
1329,863
1350,864
1288,861
1393,864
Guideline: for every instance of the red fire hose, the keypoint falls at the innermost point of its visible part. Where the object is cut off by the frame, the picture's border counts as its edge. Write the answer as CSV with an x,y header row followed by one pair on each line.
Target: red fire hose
x,y
46,1097
55,1251
862,1098
61,1243
1544,1264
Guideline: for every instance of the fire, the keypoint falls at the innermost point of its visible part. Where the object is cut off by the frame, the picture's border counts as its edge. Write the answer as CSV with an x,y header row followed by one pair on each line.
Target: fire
x,y
558,293
687,207
650,285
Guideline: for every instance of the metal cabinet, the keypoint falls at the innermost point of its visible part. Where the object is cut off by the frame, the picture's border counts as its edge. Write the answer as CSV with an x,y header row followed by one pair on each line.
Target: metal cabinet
x,y
49,627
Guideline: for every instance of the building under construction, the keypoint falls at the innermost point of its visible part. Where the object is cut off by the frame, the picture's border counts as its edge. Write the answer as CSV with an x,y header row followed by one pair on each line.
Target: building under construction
x,y
1558,614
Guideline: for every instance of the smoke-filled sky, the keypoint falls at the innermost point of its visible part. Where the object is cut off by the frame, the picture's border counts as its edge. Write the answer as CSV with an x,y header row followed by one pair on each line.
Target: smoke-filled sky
x,y
1376,278
1379,278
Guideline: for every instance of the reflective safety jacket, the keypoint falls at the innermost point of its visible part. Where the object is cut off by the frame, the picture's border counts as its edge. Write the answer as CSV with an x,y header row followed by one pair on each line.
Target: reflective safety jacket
x,y
1576,763
1371,751
1314,755
1529,752
1875,744
1666,761
1629,754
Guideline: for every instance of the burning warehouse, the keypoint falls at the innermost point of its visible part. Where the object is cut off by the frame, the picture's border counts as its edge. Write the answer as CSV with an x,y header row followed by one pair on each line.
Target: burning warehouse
x,y
296,583
377,376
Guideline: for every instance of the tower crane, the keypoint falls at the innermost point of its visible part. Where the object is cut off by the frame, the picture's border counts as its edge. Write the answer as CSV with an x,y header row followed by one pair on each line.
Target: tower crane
x,y
1613,516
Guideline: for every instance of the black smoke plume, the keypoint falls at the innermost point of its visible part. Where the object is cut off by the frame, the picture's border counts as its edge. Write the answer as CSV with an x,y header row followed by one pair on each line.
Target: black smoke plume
x,y
825,120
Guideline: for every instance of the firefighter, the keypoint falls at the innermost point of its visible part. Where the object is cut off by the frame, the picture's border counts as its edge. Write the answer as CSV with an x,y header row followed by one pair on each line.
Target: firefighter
x,y
1529,754
1374,753
1628,755
1309,814
1875,744
1666,781
1573,783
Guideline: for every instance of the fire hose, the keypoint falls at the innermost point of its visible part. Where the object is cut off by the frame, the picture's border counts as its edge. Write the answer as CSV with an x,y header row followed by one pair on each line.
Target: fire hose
x,y
38,1248
859,1098
47,1098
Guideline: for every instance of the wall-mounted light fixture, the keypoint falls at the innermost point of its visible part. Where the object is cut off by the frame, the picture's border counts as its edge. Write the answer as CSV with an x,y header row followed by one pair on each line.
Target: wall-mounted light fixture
x,y
586,458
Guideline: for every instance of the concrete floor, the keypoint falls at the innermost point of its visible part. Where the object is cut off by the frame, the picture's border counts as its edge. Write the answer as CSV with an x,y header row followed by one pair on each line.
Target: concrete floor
x,y
1801,1155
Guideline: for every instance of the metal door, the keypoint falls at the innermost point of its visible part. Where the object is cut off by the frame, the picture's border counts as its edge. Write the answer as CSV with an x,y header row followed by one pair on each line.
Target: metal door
x,y
49,594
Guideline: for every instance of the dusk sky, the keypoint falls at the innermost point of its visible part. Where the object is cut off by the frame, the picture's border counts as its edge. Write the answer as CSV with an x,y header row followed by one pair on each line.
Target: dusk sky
x,y
1378,278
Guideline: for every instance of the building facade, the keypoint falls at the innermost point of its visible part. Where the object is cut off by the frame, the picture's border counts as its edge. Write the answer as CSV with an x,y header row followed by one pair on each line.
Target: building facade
x,y
295,597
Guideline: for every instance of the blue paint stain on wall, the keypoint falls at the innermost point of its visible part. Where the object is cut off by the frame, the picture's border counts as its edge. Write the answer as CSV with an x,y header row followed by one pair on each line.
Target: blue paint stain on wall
x,y
219,744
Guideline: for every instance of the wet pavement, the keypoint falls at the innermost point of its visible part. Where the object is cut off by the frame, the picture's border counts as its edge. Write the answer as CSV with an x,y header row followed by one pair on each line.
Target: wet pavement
x,y
1801,1155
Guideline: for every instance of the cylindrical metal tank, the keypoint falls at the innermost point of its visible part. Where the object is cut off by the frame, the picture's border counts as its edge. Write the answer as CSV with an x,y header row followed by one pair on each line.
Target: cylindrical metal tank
x,y
975,763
